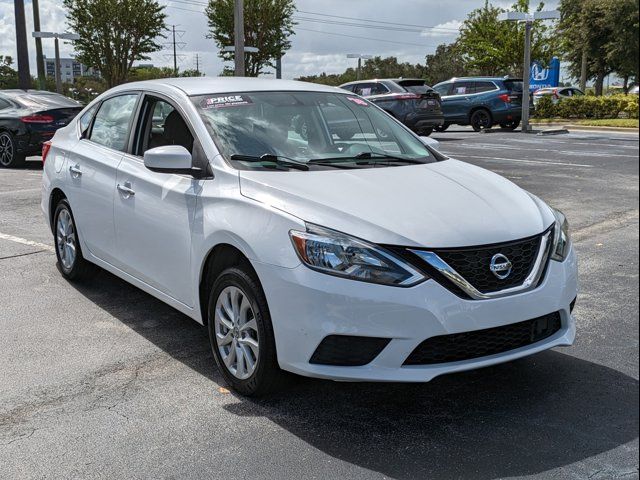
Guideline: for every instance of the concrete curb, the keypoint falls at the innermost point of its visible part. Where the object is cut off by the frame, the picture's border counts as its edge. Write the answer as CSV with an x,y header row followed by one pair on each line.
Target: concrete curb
x,y
587,128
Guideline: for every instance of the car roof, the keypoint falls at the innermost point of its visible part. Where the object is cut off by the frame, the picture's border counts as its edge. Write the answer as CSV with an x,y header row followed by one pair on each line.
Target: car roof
x,y
484,79
211,85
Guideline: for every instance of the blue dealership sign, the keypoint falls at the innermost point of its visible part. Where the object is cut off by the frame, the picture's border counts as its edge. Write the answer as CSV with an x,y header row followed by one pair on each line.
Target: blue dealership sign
x,y
540,77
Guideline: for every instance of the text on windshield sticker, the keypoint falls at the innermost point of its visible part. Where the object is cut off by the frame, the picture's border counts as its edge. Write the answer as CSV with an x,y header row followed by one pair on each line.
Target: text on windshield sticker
x,y
225,101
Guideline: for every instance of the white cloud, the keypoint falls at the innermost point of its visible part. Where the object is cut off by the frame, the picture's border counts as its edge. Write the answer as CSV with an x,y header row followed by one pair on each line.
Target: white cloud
x,y
446,29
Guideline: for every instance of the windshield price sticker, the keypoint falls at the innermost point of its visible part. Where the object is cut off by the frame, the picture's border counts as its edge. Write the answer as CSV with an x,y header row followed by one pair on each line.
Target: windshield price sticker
x,y
225,101
358,101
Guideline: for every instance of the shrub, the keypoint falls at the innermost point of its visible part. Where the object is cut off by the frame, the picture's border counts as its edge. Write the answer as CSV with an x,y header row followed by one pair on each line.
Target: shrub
x,y
589,106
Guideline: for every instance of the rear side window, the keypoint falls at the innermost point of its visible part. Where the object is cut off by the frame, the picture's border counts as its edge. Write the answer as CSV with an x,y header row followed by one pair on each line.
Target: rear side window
x,y
481,87
513,85
4,104
85,120
366,89
113,121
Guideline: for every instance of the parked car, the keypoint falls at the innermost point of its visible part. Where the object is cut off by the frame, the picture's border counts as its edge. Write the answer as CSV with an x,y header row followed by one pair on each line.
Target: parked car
x,y
369,259
556,93
27,119
481,102
410,100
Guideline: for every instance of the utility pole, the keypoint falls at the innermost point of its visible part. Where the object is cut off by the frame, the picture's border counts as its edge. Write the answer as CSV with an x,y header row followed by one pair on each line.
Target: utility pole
x,y
39,58
279,66
238,22
58,67
583,71
197,65
175,58
24,76
528,19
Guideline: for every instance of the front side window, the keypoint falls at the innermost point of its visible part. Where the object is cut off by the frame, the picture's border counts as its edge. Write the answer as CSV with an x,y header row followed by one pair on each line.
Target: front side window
x,y
306,127
161,124
113,121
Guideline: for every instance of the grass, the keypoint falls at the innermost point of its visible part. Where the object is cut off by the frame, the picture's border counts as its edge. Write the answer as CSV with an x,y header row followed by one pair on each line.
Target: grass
x,y
605,122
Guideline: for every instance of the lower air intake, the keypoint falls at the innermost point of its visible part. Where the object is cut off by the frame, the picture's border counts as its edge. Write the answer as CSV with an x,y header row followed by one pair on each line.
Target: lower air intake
x,y
347,350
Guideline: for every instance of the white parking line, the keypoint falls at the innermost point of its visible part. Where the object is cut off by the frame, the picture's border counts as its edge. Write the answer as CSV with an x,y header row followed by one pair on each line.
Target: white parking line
x,y
490,146
22,190
520,160
24,241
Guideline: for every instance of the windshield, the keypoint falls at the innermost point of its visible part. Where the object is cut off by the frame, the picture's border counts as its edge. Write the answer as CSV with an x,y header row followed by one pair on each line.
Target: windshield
x,y
311,128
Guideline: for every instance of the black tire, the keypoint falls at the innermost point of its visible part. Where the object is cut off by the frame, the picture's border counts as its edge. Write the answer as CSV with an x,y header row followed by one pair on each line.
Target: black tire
x,y
512,125
425,132
441,128
481,120
9,156
80,269
267,376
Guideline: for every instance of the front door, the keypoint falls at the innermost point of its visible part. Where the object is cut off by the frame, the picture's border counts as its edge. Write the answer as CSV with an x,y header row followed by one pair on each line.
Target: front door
x,y
154,212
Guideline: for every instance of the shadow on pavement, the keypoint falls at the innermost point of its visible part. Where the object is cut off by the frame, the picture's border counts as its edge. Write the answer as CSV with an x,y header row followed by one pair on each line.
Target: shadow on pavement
x,y
520,418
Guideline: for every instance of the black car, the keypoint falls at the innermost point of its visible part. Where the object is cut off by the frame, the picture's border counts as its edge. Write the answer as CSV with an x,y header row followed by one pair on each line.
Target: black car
x,y
28,118
481,102
410,100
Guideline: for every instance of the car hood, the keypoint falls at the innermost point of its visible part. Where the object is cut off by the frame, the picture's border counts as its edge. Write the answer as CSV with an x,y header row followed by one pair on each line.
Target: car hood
x,y
443,204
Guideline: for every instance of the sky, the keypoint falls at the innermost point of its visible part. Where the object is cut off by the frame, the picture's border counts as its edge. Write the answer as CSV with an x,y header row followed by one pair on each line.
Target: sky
x,y
413,29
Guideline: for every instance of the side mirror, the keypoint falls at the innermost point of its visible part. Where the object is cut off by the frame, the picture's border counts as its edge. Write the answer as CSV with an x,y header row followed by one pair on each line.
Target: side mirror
x,y
171,159
431,142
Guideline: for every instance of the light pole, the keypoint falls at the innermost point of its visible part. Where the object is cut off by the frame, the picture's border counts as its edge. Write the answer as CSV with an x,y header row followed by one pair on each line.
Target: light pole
x,y
64,36
238,37
359,56
232,48
24,77
528,19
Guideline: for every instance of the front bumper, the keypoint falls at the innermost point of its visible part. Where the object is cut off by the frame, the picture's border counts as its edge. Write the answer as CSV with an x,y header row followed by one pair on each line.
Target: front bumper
x,y
306,306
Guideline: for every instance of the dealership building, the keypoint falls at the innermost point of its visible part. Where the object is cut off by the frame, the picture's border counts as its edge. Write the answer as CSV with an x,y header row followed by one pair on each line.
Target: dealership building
x,y
70,69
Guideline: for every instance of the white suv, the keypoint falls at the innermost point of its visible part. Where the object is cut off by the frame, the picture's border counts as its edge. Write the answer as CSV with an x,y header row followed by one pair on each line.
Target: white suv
x,y
369,259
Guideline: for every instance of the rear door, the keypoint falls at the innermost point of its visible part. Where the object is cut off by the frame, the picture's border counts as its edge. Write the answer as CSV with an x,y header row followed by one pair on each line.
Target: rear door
x,y
92,167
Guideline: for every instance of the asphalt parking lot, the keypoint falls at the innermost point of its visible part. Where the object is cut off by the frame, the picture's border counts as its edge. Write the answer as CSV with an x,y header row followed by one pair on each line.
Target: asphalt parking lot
x,y
103,381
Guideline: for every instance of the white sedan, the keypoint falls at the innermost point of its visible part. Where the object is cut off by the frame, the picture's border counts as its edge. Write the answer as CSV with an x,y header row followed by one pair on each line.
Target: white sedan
x,y
372,258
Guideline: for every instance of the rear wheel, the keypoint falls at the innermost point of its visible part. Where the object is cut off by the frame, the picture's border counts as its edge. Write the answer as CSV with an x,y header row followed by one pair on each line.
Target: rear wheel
x,y
512,125
481,120
441,128
9,157
241,334
71,263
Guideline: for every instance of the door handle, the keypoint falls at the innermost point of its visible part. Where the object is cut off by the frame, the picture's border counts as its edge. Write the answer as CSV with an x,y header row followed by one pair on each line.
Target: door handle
x,y
75,170
126,190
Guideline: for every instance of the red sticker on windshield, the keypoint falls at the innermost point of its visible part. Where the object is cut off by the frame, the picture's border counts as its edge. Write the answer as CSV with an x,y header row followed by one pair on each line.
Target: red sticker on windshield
x,y
359,101
225,101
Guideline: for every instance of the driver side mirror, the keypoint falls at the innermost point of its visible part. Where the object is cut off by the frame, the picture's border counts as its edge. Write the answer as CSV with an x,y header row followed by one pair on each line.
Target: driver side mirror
x,y
171,159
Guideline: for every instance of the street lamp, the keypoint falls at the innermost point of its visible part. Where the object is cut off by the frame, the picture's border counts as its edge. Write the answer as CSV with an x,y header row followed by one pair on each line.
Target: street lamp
x,y
64,36
359,56
528,18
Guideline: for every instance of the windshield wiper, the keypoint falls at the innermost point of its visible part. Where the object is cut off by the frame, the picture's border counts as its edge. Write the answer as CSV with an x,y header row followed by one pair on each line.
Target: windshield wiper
x,y
270,157
364,156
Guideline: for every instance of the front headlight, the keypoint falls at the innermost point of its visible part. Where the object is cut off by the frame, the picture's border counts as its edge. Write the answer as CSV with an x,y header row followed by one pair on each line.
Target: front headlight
x,y
338,254
561,237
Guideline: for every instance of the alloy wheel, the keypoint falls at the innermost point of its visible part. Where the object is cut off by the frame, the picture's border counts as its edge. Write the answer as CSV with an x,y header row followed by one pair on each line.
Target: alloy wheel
x,y
66,239
6,149
481,120
236,332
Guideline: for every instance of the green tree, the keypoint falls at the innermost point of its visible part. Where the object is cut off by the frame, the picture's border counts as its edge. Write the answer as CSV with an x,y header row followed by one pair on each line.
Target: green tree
x,y
268,24
115,33
445,63
191,72
494,47
8,76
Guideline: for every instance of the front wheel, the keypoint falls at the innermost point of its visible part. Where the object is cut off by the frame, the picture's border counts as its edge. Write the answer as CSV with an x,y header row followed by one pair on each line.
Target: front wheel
x,y
512,125
9,156
241,334
481,120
